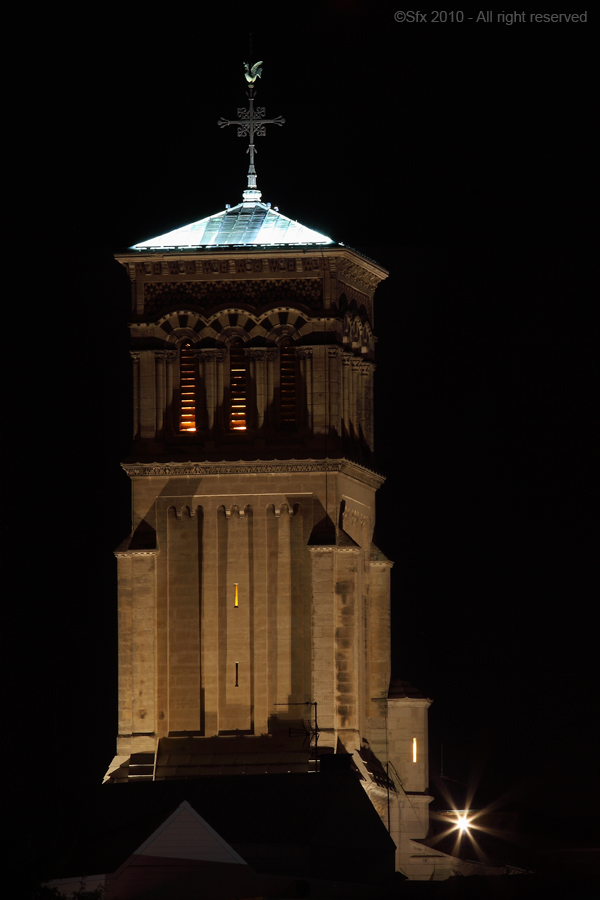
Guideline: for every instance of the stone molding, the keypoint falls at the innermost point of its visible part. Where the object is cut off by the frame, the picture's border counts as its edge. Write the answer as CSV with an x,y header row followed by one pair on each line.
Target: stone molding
x,y
260,467
210,353
348,269
411,702
125,553
330,548
260,352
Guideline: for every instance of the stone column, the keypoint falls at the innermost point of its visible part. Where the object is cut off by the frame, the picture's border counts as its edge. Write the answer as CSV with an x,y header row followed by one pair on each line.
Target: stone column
x,y
220,415
209,360
334,390
161,357
304,355
354,410
367,370
171,357
136,393
147,395
347,390
251,389
271,356
257,357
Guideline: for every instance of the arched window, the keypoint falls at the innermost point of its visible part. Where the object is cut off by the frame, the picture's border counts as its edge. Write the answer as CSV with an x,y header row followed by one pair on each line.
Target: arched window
x,y
287,384
237,384
187,388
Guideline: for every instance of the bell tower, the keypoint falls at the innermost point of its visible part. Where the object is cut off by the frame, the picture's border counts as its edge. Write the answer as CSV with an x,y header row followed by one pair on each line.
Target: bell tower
x,y
254,619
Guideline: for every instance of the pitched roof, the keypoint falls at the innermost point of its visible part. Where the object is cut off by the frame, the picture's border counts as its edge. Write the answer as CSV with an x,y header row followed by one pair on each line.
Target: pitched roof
x,y
316,824
248,223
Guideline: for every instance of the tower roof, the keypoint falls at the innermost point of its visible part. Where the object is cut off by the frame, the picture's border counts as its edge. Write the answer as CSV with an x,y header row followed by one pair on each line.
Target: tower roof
x,y
250,223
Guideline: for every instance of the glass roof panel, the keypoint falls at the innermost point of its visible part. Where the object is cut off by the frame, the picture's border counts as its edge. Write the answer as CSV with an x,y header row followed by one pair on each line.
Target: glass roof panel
x,y
244,224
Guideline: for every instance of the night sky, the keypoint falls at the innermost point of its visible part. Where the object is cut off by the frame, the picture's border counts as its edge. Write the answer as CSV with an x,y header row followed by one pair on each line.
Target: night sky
x,y
456,155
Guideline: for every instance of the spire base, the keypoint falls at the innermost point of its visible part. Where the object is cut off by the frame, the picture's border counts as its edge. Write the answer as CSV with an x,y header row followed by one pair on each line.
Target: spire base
x,y
251,195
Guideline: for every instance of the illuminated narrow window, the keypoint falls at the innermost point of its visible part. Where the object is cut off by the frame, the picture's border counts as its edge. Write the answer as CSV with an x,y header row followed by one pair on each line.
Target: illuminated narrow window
x,y
235,595
414,749
237,370
287,384
187,388
237,675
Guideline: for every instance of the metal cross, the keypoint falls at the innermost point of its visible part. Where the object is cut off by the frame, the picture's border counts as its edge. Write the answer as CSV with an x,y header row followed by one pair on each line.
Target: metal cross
x,y
251,122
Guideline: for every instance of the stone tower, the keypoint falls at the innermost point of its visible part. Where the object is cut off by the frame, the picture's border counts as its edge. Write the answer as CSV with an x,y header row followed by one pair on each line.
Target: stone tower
x,y
254,608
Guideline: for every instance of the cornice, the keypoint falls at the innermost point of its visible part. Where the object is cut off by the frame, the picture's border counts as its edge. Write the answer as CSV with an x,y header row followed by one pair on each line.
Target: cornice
x,y
411,702
124,553
257,467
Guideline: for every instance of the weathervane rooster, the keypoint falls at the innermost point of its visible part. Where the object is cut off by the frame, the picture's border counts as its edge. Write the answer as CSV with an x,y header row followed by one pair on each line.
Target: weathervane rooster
x,y
253,73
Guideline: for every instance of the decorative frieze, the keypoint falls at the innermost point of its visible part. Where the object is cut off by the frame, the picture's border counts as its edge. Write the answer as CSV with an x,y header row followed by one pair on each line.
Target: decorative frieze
x,y
211,294
360,276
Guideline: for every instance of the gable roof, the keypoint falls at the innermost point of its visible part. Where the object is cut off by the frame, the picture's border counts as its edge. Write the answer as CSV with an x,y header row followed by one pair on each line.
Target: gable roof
x,y
186,835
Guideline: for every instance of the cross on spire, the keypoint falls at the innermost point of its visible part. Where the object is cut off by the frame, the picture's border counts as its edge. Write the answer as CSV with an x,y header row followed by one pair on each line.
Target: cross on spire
x,y
251,122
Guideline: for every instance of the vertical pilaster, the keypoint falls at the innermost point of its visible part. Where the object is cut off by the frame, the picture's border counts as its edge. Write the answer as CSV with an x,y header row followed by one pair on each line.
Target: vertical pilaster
x,y
184,621
346,391
143,641
210,616
135,357
125,689
334,384
171,357
260,650
147,395
355,404
160,358
323,685
304,355
367,369
272,357
257,360
347,602
284,609
237,712
378,631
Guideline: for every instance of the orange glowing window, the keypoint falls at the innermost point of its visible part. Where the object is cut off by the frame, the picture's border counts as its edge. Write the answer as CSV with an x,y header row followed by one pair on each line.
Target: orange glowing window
x,y
414,749
187,388
236,599
237,371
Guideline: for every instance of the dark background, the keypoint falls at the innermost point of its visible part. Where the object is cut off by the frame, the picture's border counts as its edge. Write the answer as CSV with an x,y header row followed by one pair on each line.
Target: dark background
x,y
456,155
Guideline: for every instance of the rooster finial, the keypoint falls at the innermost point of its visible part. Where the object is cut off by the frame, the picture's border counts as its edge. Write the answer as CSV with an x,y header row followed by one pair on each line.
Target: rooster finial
x,y
253,73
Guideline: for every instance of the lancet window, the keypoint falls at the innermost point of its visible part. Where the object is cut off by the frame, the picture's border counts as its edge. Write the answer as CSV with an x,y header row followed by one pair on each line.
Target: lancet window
x,y
187,388
237,386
